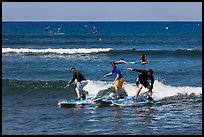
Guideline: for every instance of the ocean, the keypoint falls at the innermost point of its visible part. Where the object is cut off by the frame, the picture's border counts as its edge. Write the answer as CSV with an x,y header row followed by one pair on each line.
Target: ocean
x,y
36,68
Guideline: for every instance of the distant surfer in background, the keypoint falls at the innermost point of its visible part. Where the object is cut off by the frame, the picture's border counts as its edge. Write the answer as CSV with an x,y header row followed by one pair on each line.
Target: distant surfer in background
x,y
119,80
52,34
142,81
81,83
46,29
59,29
94,29
143,59
121,61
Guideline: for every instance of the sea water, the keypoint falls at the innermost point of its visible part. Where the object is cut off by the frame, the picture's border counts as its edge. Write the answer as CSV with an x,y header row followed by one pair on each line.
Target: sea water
x,y
36,68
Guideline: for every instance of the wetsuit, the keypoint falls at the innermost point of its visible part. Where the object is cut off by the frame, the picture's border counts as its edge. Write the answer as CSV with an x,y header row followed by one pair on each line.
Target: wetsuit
x,y
142,78
143,58
81,81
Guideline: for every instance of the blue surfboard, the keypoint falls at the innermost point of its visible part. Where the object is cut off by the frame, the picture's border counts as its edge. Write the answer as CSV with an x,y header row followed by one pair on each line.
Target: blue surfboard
x,y
128,101
71,102
134,62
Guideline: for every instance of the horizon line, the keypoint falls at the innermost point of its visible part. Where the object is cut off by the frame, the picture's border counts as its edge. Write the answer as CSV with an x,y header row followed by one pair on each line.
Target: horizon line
x,y
101,20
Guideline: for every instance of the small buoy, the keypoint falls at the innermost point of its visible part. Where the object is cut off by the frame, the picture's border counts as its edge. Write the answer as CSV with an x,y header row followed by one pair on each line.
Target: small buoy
x,y
85,26
198,24
167,27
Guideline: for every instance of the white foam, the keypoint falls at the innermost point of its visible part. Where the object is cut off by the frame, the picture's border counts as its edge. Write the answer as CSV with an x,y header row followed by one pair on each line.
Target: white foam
x,y
93,87
56,51
160,90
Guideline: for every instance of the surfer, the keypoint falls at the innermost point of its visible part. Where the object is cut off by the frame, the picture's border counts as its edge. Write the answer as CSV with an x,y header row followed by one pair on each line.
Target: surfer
x,y
143,59
81,82
121,61
58,29
119,78
94,29
46,29
142,81
52,34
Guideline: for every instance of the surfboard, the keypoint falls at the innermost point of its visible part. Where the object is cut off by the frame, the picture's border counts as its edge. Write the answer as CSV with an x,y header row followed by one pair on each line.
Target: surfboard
x,y
134,62
71,102
144,62
59,33
128,101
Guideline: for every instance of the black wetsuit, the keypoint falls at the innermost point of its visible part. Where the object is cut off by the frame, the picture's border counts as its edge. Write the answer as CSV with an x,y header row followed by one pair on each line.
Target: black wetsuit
x,y
143,58
77,76
144,77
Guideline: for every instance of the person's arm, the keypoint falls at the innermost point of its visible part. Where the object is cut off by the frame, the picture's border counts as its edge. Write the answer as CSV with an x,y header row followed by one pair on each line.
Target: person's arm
x,y
71,81
138,70
117,76
152,83
108,74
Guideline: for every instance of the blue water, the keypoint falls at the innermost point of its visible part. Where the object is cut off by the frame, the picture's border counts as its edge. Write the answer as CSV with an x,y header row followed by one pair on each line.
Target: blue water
x,y
36,68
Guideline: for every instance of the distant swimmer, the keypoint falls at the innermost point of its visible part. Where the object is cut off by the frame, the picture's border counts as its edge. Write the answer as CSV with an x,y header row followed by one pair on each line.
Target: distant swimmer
x,y
99,39
142,81
52,34
119,80
46,29
143,59
58,29
94,29
134,49
121,61
81,82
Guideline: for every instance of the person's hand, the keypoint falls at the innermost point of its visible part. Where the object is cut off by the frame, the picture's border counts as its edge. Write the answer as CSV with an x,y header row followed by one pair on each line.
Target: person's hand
x,y
130,69
67,86
113,83
104,76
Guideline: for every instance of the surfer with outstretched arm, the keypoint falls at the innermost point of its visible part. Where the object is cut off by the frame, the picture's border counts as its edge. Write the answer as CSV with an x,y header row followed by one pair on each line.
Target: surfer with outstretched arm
x,y
119,78
142,81
81,82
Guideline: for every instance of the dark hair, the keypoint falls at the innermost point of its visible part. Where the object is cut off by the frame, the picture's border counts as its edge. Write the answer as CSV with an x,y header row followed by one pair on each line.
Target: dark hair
x,y
73,68
151,70
122,59
113,63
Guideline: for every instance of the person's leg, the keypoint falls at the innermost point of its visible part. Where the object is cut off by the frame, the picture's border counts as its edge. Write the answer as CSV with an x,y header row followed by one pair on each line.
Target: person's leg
x,y
78,93
149,92
118,87
117,92
78,90
138,90
81,86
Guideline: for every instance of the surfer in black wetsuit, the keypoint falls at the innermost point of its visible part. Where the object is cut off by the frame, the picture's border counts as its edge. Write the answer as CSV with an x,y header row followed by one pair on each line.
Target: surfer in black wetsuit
x,y
142,81
81,82
143,59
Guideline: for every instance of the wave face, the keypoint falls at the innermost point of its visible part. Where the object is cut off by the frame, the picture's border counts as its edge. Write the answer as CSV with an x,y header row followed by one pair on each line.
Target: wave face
x,y
98,88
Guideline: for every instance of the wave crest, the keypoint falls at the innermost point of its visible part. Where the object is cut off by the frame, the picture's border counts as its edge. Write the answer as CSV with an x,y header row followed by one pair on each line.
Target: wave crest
x,y
56,51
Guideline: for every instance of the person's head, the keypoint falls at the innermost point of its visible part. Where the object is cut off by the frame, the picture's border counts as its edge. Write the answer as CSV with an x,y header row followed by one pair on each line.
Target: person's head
x,y
150,72
143,54
122,59
73,69
113,64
